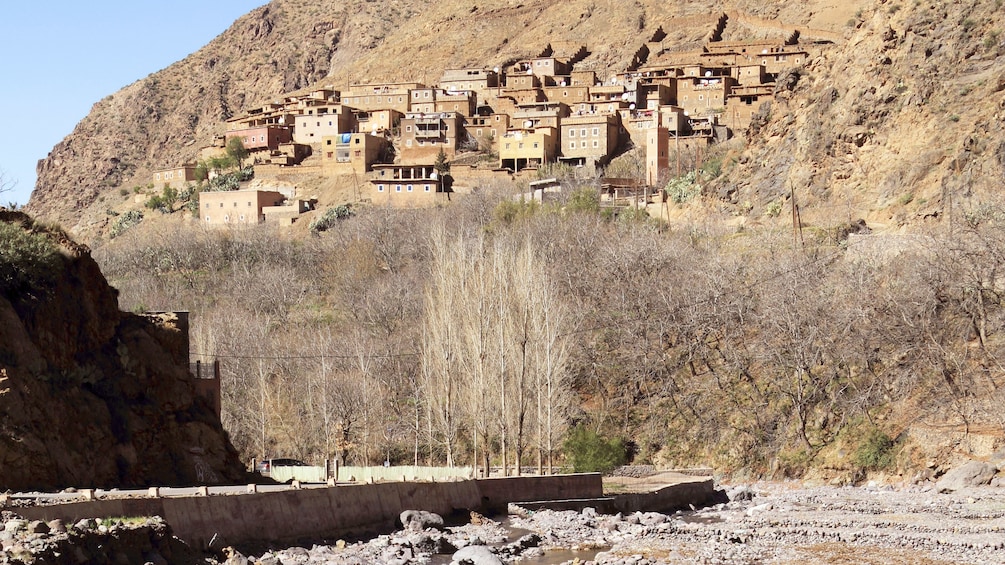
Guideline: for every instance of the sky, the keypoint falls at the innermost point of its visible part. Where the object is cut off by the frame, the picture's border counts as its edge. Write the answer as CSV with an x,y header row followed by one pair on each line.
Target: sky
x,y
59,57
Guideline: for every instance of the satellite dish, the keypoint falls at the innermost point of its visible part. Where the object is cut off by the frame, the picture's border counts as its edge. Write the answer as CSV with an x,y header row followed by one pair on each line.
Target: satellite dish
x,y
518,135
562,83
373,129
614,80
528,124
496,70
631,106
685,113
708,73
530,71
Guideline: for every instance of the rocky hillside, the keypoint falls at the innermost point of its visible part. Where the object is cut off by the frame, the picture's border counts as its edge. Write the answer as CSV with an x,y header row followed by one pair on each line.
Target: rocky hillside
x,y
91,396
162,119
903,124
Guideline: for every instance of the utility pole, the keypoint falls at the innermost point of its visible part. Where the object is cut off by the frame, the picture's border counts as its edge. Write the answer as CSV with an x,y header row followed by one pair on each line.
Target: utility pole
x,y
797,226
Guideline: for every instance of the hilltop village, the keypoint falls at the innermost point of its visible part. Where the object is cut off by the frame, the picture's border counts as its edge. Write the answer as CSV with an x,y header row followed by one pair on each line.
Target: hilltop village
x,y
396,140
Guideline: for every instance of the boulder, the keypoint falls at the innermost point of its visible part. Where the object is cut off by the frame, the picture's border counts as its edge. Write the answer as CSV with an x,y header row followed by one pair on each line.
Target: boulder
x,y
418,520
971,474
476,555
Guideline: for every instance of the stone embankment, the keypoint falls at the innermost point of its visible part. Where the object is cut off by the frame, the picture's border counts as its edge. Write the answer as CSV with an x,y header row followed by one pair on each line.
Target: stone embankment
x,y
146,540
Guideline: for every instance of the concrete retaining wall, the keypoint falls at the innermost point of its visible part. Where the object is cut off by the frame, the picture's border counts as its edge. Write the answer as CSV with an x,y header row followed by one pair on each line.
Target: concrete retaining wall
x,y
667,499
320,512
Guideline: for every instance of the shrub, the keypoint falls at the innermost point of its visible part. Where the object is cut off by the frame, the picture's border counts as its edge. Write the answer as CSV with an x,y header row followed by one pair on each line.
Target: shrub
x,y
683,188
124,222
875,452
589,452
28,261
329,218
584,200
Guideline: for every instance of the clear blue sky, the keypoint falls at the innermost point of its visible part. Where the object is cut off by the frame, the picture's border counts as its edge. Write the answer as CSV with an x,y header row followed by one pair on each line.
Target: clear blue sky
x,y
59,57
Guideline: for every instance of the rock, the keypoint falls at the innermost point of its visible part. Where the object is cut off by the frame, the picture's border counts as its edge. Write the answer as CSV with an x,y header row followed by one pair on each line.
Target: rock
x,y
590,512
38,527
740,493
971,474
14,526
477,555
57,526
418,520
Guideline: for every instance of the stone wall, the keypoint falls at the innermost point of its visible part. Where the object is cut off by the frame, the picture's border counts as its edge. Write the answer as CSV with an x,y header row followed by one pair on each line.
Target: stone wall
x,y
321,512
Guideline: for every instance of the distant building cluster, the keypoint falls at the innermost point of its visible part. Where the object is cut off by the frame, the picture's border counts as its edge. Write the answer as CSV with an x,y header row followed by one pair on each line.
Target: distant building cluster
x,y
532,112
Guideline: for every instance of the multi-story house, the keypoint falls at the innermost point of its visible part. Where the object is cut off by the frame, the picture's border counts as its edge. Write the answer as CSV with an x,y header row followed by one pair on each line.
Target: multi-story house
x,y
481,81
175,177
702,96
589,139
376,121
406,186
430,100
542,114
487,130
423,136
351,152
274,114
531,147
331,119
268,137
390,96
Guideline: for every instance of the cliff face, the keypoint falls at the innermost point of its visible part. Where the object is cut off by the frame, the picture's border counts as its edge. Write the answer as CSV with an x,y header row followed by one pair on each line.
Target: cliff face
x,y
91,396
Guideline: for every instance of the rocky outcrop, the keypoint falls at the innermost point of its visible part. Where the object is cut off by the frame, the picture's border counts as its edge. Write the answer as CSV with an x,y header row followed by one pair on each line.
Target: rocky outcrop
x,y
91,396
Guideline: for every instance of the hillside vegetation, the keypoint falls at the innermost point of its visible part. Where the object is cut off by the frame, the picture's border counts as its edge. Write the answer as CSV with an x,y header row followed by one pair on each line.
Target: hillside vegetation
x,y
699,345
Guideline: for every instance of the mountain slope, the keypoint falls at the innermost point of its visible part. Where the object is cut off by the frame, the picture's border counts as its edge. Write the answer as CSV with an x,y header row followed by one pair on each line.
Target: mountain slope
x,y
161,120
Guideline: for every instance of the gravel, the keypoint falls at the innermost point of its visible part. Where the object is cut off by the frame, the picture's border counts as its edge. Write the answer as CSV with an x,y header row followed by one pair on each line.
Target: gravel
x,y
764,523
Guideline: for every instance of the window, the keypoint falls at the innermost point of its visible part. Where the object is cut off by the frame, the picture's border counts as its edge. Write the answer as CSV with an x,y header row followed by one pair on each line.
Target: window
x,y
572,133
582,132
249,204
226,218
221,205
397,188
408,143
207,205
535,145
331,154
583,145
596,143
427,188
596,132
380,188
572,145
235,204
329,123
329,142
207,219
408,128
409,188
242,217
